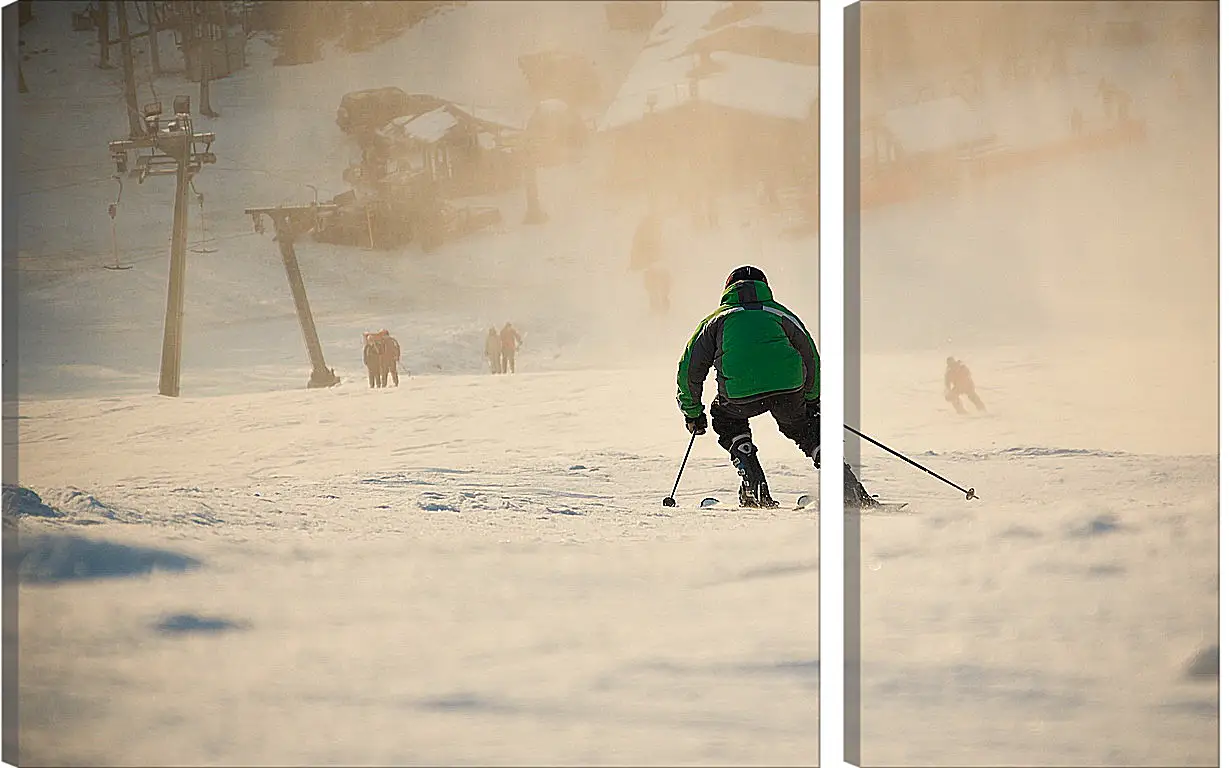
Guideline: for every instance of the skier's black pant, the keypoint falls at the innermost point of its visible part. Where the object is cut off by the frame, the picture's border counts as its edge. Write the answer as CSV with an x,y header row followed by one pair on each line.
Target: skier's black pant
x,y
789,409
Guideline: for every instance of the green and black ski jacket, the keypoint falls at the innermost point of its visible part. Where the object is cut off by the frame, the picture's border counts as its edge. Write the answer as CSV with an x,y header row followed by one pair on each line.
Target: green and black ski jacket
x,y
758,347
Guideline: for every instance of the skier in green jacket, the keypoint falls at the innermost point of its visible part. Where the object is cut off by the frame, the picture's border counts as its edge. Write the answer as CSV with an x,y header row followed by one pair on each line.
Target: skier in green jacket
x,y
766,362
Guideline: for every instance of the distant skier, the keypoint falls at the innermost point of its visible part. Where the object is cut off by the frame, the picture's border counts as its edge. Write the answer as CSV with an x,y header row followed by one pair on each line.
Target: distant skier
x,y
494,349
392,353
657,286
646,243
509,342
766,362
646,256
958,381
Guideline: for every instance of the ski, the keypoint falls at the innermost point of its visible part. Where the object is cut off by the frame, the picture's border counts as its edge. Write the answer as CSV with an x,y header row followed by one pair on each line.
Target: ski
x,y
807,500
803,502
883,508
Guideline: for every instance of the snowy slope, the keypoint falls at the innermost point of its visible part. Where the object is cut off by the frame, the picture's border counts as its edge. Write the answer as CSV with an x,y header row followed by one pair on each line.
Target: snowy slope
x,y
416,576
465,569
1057,619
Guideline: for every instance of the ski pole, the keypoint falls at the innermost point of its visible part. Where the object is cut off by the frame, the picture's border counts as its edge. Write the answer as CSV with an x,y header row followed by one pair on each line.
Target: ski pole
x,y
968,495
669,500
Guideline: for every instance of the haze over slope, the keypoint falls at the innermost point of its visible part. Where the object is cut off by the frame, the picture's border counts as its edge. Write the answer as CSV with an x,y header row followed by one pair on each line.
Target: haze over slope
x,y
1067,616
566,283
1101,269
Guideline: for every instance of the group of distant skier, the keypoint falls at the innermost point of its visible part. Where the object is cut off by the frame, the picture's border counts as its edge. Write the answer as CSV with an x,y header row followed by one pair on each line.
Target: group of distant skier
x,y
382,354
501,348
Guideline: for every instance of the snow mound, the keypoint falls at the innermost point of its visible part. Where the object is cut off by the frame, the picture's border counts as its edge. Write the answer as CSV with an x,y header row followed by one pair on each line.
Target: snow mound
x,y
65,505
79,504
23,502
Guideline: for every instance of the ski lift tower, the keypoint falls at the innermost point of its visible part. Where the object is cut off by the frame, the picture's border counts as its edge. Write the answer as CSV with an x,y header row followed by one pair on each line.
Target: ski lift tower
x,y
289,223
173,148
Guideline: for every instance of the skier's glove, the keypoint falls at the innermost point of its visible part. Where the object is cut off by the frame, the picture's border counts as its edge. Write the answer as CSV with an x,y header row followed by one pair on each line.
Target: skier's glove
x,y
696,425
813,409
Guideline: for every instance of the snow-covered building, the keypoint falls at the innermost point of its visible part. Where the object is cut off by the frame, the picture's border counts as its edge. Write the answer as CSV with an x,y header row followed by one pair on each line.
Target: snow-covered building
x,y
723,94
911,148
459,150
914,133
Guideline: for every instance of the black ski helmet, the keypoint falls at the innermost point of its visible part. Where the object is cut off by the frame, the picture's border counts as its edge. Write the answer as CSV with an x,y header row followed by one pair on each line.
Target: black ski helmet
x,y
746,272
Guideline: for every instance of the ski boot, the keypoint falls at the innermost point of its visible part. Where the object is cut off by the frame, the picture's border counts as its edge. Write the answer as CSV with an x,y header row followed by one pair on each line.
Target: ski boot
x,y
754,489
855,493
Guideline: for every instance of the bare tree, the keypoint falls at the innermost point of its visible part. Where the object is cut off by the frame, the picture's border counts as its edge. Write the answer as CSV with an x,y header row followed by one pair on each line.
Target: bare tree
x,y
155,61
204,53
12,47
104,34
